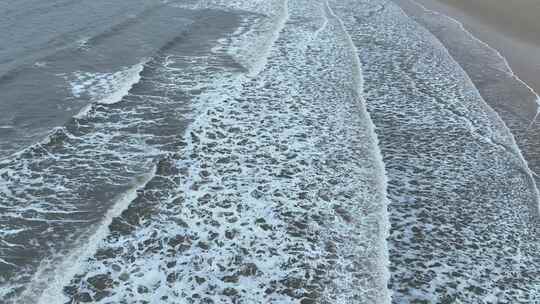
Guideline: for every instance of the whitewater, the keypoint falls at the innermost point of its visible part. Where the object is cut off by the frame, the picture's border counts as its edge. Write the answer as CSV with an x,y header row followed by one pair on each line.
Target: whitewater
x,y
269,151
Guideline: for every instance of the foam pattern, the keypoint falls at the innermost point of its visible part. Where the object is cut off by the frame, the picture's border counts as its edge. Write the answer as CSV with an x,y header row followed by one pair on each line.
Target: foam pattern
x,y
459,189
278,195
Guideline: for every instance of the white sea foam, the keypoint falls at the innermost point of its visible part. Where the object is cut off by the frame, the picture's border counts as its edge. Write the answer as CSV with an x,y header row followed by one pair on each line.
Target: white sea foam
x,y
507,68
56,272
105,88
251,49
281,181
383,218
261,52
277,189
457,182
52,198
171,85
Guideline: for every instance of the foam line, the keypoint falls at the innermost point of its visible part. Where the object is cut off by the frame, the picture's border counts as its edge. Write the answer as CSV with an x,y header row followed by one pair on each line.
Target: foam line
x,y
517,150
242,190
384,260
325,21
454,193
259,65
7,263
120,84
134,77
70,265
509,70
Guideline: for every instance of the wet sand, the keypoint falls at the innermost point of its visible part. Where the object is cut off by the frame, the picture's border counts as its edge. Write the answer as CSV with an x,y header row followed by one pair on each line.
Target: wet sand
x,y
511,27
513,98
518,19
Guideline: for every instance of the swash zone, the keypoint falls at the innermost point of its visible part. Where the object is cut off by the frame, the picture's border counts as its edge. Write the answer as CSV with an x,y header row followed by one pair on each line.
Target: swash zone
x,y
459,190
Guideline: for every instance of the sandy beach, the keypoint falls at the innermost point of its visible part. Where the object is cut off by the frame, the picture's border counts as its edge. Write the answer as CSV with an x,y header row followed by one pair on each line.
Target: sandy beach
x,y
511,27
516,19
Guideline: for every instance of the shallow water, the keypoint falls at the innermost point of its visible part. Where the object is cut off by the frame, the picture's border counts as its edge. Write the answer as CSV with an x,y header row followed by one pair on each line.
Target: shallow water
x,y
460,192
254,152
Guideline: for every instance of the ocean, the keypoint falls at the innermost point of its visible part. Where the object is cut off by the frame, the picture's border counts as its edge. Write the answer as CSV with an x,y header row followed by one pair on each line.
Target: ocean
x,y
263,151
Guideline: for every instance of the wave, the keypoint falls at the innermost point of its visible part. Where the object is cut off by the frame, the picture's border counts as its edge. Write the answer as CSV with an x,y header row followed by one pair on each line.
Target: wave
x,y
54,273
98,88
80,168
279,169
105,88
496,54
251,47
259,51
44,54
502,88
457,182
265,176
124,26
100,59
382,264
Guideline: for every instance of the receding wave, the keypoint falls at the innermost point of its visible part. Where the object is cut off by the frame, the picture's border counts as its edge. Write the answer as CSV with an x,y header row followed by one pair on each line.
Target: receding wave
x,y
513,100
459,188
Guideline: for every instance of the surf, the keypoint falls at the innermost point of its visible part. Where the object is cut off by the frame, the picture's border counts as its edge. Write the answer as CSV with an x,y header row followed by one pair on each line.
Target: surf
x,y
440,140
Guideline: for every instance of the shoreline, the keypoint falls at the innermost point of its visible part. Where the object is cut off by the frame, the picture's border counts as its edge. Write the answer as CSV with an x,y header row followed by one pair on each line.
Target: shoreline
x,y
518,48
513,99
